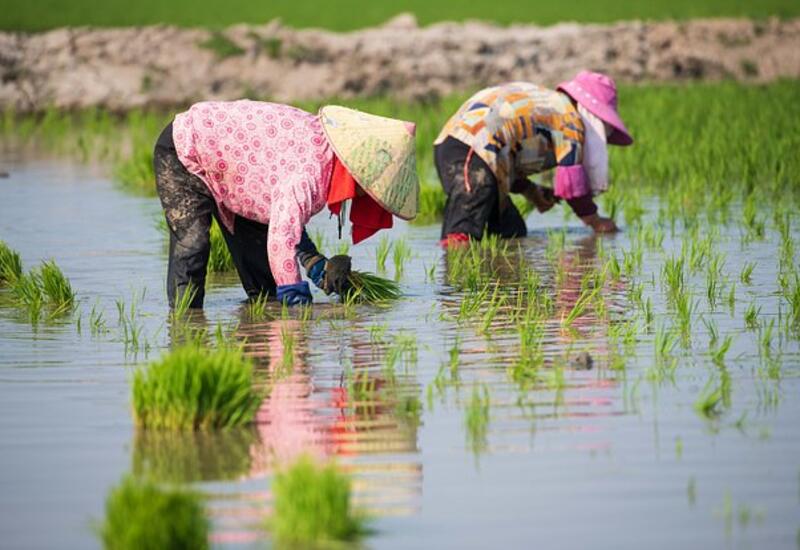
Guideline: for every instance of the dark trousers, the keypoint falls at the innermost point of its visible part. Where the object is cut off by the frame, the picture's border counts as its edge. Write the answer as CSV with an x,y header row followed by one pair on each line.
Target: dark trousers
x,y
188,206
478,209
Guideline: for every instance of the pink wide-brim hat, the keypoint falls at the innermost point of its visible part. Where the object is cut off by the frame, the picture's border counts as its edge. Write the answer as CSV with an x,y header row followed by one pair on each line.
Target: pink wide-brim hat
x,y
598,95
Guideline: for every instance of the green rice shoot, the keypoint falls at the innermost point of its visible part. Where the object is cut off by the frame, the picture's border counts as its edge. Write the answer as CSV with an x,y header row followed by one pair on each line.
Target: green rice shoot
x,y
10,265
140,514
312,504
196,388
370,288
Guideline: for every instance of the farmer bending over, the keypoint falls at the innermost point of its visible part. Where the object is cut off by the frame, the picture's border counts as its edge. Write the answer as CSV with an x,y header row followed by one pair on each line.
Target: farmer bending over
x,y
263,170
505,133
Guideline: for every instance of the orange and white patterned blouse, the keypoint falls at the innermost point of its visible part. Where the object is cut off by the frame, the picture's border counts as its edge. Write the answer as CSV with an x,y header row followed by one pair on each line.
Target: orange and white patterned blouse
x,y
518,129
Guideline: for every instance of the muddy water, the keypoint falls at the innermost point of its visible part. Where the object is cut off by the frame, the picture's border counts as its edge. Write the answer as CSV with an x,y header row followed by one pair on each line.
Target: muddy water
x,y
615,457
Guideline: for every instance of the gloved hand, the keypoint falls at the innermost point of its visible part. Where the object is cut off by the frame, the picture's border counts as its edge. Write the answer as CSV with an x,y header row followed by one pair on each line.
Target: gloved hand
x,y
296,294
337,274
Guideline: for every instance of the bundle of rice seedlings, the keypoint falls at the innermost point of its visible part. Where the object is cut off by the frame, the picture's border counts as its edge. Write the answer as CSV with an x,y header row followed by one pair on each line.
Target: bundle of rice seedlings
x,y
193,387
10,265
56,287
313,504
368,287
140,514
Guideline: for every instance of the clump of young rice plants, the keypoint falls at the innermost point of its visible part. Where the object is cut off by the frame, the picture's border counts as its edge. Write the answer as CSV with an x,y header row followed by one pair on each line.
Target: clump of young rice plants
x,y
382,253
579,308
476,419
219,257
717,353
751,316
10,265
313,504
401,253
403,349
746,275
711,401
140,514
192,387
371,288
43,288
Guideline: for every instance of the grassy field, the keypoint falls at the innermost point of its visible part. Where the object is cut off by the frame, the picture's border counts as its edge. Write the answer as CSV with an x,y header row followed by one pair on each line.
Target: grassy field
x,y
701,145
353,14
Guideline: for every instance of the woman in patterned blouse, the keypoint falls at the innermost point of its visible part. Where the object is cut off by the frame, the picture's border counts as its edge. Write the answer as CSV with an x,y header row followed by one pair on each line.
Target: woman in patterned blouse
x,y
263,170
505,133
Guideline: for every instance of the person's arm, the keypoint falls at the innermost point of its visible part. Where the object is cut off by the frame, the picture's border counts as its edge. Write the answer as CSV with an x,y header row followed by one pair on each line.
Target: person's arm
x,y
571,184
287,218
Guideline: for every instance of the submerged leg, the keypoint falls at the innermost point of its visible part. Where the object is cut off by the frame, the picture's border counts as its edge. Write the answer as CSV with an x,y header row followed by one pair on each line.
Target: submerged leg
x,y
248,248
187,207
508,224
469,207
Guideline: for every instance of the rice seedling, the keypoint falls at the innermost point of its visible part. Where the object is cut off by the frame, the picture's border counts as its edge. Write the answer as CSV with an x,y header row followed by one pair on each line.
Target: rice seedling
x,y
196,388
765,338
746,275
709,402
732,298
476,419
751,316
288,341
382,253
755,226
613,268
10,265
673,274
313,504
219,258
632,261
653,237
401,253
28,294
664,343
403,348
377,334
579,307
183,302
56,288
257,308
717,353
140,514
685,309
370,288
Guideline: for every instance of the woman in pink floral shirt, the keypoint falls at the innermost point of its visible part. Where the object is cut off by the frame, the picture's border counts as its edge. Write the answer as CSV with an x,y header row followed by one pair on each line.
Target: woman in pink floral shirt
x,y
263,170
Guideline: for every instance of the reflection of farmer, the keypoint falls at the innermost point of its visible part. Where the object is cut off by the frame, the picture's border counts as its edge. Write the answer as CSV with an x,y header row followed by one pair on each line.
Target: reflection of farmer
x,y
503,134
263,170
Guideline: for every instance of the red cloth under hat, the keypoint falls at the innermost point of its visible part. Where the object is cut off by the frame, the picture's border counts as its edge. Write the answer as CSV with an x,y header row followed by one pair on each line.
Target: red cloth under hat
x,y
367,216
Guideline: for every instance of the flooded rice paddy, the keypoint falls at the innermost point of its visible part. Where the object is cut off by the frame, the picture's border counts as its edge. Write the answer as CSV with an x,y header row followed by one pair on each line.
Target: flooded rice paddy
x,y
667,440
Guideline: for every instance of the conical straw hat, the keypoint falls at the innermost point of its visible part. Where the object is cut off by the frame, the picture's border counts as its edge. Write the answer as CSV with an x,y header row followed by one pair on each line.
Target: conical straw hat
x,y
379,152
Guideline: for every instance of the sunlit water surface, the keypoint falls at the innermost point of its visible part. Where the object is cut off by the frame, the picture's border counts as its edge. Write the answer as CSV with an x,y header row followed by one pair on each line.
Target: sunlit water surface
x,y
602,457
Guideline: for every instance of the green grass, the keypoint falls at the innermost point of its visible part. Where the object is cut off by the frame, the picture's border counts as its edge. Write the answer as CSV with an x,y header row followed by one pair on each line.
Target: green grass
x,y
10,265
351,14
719,160
312,504
370,288
141,515
43,291
193,387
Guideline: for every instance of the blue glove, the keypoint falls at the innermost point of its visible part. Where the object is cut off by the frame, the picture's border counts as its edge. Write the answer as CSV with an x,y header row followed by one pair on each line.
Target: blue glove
x,y
296,294
317,272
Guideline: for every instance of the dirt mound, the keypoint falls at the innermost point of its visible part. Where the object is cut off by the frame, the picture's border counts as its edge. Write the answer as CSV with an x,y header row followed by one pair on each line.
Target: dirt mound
x,y
167,66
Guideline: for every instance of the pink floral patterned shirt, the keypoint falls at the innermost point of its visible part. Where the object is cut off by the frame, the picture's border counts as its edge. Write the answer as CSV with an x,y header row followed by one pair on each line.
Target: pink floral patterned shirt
x,y
265,162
